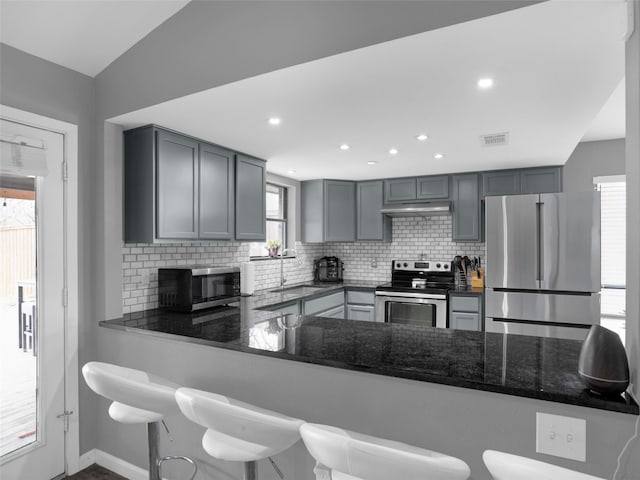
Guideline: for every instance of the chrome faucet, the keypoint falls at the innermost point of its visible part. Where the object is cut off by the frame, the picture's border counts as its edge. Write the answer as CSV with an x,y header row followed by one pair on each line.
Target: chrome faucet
x,y
284,251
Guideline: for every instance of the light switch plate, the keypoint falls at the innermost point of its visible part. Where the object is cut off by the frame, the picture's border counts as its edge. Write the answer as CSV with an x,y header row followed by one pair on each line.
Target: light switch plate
x,y
561,436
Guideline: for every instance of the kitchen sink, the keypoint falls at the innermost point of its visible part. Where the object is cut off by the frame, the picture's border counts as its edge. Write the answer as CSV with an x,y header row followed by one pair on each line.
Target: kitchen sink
x,y
299,288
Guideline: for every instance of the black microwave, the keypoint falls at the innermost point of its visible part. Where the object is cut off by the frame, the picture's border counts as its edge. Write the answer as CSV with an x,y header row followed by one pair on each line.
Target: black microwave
x,y
190,288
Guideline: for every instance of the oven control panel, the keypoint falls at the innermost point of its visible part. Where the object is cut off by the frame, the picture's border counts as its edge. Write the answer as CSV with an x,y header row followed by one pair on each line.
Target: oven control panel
x,y
422,265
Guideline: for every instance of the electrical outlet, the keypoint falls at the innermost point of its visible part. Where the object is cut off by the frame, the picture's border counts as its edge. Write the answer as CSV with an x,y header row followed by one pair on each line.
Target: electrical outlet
x,y
374,263
561,436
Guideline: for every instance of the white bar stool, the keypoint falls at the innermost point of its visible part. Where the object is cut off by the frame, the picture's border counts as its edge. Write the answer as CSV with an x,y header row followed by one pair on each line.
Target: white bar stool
x,y
344,455
138,397
505,466
237,431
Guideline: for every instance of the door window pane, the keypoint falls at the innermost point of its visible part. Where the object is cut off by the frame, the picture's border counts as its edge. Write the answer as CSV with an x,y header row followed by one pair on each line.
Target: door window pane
x,y
18,351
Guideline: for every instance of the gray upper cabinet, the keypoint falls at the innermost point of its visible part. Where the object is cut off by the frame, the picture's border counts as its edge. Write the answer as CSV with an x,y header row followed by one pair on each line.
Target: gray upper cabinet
x,y
178,188
523,181
251,209
371,224
160,186
139,186
328,212
541,180
177,196
467,213
502,182
399,190
217,180
340,212
435,187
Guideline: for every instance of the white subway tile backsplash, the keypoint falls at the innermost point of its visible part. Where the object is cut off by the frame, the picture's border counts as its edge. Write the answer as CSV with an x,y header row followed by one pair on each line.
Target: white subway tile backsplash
x,y
412,237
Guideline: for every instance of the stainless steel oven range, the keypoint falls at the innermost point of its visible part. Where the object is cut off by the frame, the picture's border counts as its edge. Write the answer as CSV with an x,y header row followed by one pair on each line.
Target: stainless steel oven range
x,y
417,294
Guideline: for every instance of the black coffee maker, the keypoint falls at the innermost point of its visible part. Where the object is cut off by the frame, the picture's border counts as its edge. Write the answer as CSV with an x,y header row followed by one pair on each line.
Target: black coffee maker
x,y
328,269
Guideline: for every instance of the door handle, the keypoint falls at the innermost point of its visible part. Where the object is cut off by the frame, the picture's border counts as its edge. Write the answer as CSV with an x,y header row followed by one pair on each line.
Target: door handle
x,y
539,241
65,418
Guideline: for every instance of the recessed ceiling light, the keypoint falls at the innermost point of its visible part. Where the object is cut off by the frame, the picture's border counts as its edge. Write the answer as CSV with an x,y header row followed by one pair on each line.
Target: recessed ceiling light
x,y
371,162
422,137
438,156
485,83
274,121
344,146
291,172
393,151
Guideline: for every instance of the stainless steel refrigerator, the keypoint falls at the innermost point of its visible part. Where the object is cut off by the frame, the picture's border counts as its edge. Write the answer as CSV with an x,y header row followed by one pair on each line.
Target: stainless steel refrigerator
x,y
543,264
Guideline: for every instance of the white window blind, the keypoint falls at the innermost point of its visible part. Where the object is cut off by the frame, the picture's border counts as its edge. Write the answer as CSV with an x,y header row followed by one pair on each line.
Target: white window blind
x,y
21,155
613,191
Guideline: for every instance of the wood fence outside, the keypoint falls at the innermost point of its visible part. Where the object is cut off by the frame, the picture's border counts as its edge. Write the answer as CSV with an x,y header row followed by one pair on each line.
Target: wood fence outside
x,y
18,259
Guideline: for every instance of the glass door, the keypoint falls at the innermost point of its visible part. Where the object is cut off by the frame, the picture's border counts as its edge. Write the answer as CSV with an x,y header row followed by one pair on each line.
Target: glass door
x,y
33,318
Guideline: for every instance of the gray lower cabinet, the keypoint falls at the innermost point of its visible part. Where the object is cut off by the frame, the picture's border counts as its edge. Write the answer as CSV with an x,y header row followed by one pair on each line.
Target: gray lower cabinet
x,y
336,312
465,312
467,212
541,180
361,312
176,188
328,211
360,305
371,224
286,308
250,202
317,305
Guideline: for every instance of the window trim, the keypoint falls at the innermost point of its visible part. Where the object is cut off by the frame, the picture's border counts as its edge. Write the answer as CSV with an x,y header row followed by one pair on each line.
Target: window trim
x,y
284,198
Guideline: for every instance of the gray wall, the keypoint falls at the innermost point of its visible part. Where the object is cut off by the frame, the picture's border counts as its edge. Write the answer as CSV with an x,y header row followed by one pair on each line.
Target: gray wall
x,y
34,85
456,421
593,159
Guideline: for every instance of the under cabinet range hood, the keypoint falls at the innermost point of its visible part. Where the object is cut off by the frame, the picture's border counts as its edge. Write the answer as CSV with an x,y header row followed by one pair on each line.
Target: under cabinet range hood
x,y
426,209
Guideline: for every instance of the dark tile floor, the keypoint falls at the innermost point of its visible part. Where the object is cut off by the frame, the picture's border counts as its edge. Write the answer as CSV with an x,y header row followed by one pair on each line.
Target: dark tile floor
x,y
96,472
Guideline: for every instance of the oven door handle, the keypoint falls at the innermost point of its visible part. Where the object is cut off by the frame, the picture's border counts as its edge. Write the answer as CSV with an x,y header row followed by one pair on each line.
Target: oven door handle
x,y
427,296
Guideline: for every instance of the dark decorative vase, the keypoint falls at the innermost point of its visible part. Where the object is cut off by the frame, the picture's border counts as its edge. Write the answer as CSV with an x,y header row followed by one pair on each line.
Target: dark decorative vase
x,y
603,364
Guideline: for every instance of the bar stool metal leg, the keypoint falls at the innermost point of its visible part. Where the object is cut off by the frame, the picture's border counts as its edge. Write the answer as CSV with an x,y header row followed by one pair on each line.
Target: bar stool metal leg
x,y
250,471
186,459
153,430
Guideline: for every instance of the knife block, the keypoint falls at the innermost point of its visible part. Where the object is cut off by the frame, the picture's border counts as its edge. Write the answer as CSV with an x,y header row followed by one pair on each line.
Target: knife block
x,y
477,278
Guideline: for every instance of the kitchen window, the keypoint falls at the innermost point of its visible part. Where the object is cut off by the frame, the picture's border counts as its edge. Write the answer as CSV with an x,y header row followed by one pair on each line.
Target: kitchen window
x,y
613,243
277,221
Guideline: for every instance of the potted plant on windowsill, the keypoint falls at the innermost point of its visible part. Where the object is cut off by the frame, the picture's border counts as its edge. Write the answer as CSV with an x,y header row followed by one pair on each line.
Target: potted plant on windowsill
x,y
272,247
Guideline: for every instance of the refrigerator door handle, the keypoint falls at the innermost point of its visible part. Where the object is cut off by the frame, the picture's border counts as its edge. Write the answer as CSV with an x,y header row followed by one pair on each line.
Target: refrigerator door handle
x,y
539,241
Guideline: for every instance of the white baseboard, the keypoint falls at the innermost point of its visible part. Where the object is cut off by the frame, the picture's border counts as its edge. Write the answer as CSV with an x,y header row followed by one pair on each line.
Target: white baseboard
x,y
115,464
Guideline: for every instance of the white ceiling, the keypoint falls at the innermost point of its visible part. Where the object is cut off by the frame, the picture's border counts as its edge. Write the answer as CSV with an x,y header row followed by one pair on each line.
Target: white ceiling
x,y
558,69
555,66
86,35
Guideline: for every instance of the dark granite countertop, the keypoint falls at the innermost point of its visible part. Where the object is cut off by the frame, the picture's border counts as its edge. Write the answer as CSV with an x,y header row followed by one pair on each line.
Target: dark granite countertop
x,y
534,367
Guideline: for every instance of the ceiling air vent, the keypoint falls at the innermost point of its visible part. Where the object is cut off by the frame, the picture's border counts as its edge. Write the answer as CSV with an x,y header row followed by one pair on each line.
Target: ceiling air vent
x,y
494,139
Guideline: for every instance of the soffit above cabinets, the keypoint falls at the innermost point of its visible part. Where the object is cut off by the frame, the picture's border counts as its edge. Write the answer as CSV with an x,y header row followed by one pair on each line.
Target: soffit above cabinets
x,y
554,65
